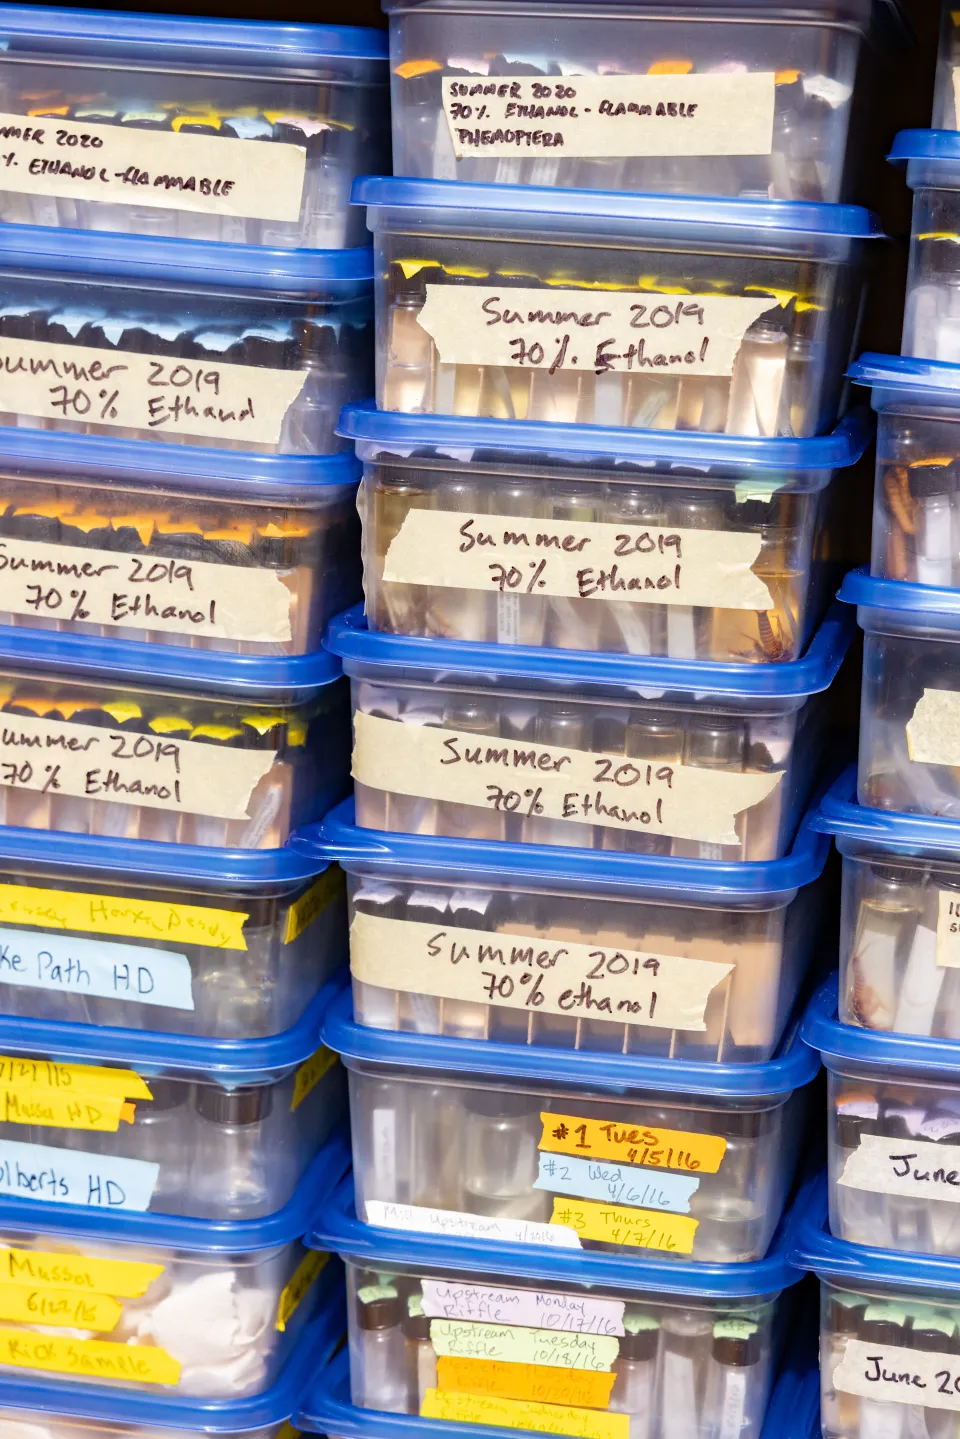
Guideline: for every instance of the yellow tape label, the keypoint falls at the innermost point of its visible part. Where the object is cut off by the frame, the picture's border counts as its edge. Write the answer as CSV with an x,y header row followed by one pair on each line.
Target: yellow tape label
x,y
59,1307
636,1228
525,1381
632,1143
91,1080
310,1073
310,906
303,1278
88,1358
124,1278
65,909
524,1414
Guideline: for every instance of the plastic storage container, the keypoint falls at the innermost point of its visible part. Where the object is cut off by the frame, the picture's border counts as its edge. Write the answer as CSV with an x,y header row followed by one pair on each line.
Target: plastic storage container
x,y
596,539
487,941
593,1345
181,341
206,129
699,760
899,916
931,321
948,62
696,99
134,742
177,546
503,1142
888,1334
96,1309
894,1134
910,705
617,310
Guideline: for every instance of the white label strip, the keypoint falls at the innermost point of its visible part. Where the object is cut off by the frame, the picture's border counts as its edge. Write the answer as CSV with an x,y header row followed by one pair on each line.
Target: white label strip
x,y
156,592
158,169
933,730
579,560
533,972
95,967
956,94
68,1176
911,1167
411,1217
185,776
146,392
948,928
893,1374
545,780
462,1339
533,1308
597,116
598,330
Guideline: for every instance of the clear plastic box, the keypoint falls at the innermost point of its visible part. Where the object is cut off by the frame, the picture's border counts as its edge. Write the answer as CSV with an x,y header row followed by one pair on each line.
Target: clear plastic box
x,y
557,1342
161,1323
637,311
182,342
700,760
931,319
948,63
230,131
709,99
910,701
133,743
503,1142
592,540
175,546
478,941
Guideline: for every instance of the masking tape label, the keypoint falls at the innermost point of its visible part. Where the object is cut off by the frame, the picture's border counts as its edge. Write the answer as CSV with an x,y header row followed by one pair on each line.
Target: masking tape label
x,y
638,796
534,1308
891,1373
525,1381
948,929
599,116
301,914
182,597
524,1414
54,757
632,1144
912,1167
563,1349
578,559
412,1218
160,169
956,90
92,1080
68,1096
54,909
601,331
933,731
124,1278
95,967
59,1307
310,1073
533,972
634,1228
310,1266
68,1176
88,1358
125,390
616,1183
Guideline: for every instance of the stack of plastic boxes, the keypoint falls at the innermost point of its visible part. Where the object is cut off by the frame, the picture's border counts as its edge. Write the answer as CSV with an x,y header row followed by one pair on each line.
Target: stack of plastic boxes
x,y
590,709
185,304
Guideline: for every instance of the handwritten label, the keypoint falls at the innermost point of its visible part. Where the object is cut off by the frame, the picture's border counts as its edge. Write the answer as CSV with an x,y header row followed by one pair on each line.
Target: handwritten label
x,y
302,913
593,116
67,1096
956,94
525,1381
616,1183
295,1291
185,776
133,918
82,384
310,1073
184,597
81,1273
411,1217
524,971
632,1143
68,1176
580,560
164,170
560,1348
894,1374
88,1358
933,731
536,779
59,1307
95,967
94,1080
536,1308
632,1228
602,331
911,1167
524,1414
948,929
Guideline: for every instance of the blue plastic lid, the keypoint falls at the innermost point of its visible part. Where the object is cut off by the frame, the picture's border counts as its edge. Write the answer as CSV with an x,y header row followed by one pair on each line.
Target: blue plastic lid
x,y
793,1065
306,274
348,637
925,145
285,40
814,1248
910,379
823,452
919,607
898,1055
839,814
339,1229
110,1404
298,1218
779,217
482,861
